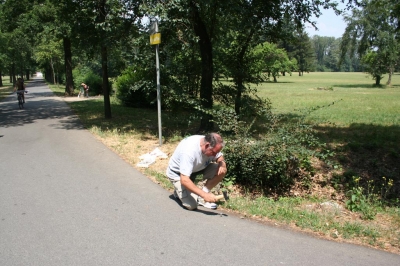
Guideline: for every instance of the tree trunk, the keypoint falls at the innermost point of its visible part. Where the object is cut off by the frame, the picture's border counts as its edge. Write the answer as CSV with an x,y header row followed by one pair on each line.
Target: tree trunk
x,y
104,59
207,73
52,71
389,82
238,97
50,76
240,72
69,81
1,79
47,74
12,74
106,91
378,80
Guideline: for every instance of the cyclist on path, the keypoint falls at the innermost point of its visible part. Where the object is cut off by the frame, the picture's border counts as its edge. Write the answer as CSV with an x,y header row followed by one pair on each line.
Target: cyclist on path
x,y
20,86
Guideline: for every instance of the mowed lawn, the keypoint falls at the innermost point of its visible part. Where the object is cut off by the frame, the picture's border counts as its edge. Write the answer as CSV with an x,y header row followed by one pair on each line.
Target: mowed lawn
x,y
356,100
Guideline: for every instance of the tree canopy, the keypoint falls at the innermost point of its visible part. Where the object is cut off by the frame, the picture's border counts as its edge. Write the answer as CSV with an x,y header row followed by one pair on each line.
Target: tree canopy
x,y
202,42
372,31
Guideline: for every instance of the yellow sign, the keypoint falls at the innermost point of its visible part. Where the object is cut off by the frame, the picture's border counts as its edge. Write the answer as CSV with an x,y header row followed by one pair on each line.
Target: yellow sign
x,y
155,38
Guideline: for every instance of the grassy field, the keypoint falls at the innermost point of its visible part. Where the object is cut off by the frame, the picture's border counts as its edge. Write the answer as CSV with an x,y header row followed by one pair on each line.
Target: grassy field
x,y
361,128
7,87
357,101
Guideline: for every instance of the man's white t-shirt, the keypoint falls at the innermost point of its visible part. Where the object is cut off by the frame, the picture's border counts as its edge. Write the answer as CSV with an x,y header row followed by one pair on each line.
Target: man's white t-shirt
x,y
188,158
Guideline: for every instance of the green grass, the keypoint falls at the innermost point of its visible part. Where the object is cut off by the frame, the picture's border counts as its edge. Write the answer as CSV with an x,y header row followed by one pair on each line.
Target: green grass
x,y
306,214
7,87
357,101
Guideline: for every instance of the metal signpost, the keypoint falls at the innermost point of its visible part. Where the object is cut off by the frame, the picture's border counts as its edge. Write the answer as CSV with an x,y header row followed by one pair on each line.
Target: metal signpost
x,y
155,39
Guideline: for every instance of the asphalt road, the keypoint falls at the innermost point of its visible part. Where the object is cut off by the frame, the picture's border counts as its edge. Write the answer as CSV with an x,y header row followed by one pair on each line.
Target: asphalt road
x,y
66,199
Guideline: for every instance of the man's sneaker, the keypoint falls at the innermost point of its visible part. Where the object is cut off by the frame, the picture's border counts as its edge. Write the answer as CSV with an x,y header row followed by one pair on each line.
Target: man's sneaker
x,y
209,205
176,195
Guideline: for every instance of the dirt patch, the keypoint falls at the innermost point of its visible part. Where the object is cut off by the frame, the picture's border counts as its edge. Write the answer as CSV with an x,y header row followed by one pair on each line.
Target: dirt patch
x,y
76,98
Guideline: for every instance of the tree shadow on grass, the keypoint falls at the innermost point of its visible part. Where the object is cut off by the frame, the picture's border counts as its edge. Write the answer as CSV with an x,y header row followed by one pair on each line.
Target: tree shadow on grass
x,y
357,86
371,152
278,82
143,120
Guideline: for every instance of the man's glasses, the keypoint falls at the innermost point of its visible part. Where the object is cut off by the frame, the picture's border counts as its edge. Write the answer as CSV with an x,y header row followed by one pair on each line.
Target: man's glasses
x,y
212,149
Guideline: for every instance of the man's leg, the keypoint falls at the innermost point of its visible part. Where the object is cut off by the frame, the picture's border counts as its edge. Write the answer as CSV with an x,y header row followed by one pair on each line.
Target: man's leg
x,y
211,177
189,200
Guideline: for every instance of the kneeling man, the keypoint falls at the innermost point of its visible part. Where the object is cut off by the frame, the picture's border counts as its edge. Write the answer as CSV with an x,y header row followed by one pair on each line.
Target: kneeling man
x,y
196,155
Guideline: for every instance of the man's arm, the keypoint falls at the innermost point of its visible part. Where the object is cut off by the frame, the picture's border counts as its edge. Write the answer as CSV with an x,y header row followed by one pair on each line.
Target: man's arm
x,y
222,165
189,185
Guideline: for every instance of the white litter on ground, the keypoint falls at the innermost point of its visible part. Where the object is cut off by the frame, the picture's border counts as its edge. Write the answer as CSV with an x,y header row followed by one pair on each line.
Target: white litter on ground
x,y
150,158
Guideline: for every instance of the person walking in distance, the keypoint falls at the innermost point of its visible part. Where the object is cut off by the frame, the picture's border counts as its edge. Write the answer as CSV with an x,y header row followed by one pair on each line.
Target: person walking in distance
x,y
196,155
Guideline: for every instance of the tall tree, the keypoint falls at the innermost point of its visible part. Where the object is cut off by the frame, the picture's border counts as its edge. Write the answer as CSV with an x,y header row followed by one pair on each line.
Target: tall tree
x,y
303,52
49,52
230,30
204,34
372,31
3,55
18,42
57,20
104,24
275,60
323,47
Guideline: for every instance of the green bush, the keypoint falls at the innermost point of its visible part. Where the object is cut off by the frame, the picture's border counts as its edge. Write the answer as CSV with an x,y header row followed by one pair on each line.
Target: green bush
x,y
95,83
358,202
134,88
261,166
268,163
87,76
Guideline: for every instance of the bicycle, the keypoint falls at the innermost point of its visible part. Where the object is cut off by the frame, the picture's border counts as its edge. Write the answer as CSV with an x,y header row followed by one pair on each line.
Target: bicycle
x,y
21,98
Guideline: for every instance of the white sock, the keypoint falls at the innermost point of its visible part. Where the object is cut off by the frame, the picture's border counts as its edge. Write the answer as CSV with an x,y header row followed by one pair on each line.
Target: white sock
x,y
205,189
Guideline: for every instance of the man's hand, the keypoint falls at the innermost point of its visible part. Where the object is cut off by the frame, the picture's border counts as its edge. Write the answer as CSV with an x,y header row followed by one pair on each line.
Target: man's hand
x,y
209,197
222,168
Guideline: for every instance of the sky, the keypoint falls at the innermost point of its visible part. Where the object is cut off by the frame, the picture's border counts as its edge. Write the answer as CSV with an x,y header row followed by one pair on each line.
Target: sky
x,y
329,25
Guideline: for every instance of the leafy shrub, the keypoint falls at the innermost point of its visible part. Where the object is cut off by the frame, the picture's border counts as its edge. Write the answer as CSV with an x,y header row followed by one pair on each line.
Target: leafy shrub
x,y
250,104
356,199
259,165
95,83
87,76
358,202
134,88
270,163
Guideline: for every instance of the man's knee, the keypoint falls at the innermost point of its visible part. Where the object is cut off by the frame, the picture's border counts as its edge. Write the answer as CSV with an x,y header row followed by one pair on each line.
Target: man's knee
x,y
189,207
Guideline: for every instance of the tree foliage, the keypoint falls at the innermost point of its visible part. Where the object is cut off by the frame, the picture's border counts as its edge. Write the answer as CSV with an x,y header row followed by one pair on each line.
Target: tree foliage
x,y
372,32
204,40
274,60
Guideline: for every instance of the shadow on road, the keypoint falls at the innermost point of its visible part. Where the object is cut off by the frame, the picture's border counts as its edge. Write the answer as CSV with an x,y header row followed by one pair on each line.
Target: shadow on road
x,y
41,104
214,212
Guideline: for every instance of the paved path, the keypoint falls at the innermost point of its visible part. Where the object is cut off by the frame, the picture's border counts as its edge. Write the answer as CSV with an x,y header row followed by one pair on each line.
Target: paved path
x,y
66,199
